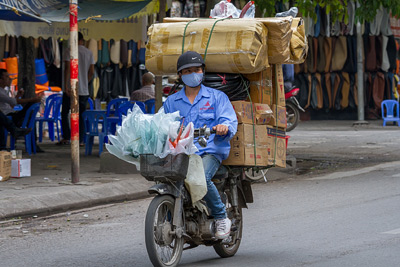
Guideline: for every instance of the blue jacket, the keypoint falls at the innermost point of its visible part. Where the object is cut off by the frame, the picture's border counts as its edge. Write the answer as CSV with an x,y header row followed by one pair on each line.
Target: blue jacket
x,y
210,107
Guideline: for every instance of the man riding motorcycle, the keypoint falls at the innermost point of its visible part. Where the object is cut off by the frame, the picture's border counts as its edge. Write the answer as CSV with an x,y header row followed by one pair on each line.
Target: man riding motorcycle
x,y
204,105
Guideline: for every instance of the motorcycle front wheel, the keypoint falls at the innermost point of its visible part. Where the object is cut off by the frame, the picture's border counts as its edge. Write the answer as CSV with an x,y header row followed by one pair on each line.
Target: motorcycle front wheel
x,y
292,116
163,246
228,247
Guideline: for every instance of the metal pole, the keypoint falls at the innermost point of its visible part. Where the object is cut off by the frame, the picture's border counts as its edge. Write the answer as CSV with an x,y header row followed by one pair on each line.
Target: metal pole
x,y
73,45
360,78
158,78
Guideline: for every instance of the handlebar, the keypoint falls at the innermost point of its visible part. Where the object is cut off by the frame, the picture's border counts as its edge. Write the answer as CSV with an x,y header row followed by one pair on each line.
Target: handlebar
x,y
203,133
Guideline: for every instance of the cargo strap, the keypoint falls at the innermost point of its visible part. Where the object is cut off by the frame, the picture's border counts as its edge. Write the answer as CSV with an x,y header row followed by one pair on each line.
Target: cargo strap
x,y
209,37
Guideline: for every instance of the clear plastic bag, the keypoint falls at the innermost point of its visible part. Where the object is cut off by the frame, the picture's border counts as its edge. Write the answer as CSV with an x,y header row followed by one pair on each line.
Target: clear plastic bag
x,y
224,9
148,134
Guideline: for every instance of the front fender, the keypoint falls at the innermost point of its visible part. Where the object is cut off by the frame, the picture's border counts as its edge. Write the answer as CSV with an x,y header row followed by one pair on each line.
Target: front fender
x,y
163,189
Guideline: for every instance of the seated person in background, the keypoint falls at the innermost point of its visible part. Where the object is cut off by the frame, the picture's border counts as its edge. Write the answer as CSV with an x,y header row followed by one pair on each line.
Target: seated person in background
x,y
7,103
6,123
147,91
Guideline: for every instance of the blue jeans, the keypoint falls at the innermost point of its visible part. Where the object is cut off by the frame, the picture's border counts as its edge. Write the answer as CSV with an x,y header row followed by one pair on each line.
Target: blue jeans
x,y
212,198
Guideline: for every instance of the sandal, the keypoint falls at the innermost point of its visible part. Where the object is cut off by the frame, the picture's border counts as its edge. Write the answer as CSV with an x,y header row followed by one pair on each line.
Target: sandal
x,y
63,143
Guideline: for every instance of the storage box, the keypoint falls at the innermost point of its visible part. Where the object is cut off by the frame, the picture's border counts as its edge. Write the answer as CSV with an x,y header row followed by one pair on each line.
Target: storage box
x,y
20,167
276,146
242,146
263,113
261,86
278,88
279,117
243,111
5,165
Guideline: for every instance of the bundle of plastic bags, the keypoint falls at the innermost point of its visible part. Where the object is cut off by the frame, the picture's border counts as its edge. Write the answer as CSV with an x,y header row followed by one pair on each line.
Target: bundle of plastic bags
x,y
159,134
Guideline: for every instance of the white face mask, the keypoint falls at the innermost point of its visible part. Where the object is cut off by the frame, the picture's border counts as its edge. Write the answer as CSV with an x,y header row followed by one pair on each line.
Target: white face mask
x,y
193,79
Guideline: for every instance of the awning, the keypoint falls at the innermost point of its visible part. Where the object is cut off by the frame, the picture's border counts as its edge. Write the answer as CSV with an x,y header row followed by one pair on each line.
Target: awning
x,y
58,10
108,26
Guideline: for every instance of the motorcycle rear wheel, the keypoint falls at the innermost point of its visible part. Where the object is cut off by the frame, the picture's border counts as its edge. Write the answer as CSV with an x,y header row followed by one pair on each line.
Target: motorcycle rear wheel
x,y
229,250
163,247
292,116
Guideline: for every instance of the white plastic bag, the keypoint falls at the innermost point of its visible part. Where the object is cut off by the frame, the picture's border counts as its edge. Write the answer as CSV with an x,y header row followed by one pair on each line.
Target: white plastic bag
x,y
224,9
196,179
185,143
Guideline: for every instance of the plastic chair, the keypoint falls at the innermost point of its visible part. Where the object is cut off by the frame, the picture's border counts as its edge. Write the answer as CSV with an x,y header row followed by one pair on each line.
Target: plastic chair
x,y
51,115
141,105
150,106
123,108
392,111
94,118
113,105
29,122
91,104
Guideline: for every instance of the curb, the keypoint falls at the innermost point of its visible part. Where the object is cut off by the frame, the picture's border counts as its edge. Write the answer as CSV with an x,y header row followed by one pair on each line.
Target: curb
x,y
83,198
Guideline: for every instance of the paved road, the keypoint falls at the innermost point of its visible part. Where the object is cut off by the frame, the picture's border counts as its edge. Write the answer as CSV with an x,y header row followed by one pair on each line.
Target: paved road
x,y
328,220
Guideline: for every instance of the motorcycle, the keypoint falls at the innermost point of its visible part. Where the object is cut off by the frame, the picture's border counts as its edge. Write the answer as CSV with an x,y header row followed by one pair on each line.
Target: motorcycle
x,y
292,109
173,224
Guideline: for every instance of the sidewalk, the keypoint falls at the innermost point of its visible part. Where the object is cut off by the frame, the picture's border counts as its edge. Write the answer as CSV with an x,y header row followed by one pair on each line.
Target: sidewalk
x,y
49,189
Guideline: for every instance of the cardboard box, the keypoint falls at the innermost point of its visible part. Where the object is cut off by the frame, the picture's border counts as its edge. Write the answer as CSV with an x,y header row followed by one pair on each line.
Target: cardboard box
x,y
20,167
278,88
242,146
263,113
243,111
279,117
5,165
276,146
261,86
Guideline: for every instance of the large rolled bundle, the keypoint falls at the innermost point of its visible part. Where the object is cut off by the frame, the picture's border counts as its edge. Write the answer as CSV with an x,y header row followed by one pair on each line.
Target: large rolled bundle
x,y
235,46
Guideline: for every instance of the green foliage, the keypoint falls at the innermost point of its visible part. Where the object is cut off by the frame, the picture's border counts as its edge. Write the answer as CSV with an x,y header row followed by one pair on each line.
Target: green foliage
x,y
337,8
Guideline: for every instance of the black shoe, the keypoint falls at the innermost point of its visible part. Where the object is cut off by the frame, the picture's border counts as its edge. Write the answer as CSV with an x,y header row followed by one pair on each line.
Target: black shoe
x,y
18,132
39,150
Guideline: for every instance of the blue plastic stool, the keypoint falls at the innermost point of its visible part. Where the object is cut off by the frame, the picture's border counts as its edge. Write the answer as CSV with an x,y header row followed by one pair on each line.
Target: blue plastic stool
x,y
94,118
392,111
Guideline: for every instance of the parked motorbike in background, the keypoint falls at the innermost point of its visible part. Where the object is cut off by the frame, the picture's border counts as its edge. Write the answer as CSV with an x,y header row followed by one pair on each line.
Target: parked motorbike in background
x,y
292,108
173,224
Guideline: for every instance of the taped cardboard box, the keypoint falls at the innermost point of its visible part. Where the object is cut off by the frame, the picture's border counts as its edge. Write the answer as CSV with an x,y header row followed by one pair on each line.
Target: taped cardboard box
x,y
278,88
276,146
279,117
5,165
244,111
263,113
249,113
235,46
261,86
242,146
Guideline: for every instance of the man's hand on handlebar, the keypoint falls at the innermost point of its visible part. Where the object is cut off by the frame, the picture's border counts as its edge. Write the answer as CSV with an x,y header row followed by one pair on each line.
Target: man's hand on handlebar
x,y
221,129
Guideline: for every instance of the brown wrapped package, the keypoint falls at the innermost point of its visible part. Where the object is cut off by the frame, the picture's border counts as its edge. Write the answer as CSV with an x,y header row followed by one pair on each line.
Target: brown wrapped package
x,y
298,43
279,36
287,42
234,47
